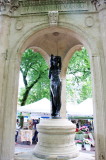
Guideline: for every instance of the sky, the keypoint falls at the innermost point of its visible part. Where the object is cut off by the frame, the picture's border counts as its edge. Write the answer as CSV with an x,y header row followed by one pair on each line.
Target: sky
x,y
21,84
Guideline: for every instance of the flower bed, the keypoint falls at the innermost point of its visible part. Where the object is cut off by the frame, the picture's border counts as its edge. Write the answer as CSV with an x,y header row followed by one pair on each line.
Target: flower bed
x,y
87,141
78,142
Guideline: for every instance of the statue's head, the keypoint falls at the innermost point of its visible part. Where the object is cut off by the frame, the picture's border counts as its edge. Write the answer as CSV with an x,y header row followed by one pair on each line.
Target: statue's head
x,y
55,57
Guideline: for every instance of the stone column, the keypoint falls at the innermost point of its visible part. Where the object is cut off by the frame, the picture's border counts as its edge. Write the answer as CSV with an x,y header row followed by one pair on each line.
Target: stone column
x,y
99,95
9,70
63,98
99,75
10,91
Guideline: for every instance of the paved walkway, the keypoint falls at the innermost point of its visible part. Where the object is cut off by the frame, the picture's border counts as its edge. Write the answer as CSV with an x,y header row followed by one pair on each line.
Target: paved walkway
x,y
24,152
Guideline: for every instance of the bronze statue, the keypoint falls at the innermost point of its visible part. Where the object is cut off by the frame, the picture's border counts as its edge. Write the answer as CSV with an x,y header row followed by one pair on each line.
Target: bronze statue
x,y
55,85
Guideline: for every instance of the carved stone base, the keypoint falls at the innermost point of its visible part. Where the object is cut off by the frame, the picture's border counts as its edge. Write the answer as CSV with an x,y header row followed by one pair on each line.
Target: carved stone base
x,y
56,140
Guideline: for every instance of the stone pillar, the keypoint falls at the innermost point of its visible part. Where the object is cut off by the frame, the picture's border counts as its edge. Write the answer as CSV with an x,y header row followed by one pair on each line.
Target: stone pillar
x,y
9,70
10,91
63,98
99,84
56,140
99,95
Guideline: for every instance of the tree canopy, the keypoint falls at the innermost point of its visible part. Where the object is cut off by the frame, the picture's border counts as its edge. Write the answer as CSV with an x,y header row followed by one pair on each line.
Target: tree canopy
x,y
34,71
79,77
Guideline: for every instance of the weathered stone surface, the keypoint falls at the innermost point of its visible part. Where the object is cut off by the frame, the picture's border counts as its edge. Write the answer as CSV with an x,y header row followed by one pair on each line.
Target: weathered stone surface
x,y
55,140
28,156
29,26
36,6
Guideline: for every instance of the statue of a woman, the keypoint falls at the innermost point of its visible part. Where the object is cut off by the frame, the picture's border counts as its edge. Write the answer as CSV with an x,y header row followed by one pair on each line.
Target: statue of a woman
x,y
55,85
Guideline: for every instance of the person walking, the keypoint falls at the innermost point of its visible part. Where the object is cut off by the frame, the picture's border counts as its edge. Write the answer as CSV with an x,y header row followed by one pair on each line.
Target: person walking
x,y
17,130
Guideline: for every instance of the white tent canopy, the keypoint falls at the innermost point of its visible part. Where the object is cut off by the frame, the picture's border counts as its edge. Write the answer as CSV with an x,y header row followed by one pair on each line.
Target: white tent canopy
x,y
86,107
43,106
83,109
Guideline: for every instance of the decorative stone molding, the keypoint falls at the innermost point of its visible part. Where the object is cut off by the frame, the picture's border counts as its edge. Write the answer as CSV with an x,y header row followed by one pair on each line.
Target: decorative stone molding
x,y
53,18
12,4
96,3
48,2
89,21
19,25
35,6
3,56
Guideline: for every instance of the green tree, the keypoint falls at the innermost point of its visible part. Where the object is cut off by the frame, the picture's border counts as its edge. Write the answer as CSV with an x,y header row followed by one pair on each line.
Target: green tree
x,y
79,77
37,85
34,71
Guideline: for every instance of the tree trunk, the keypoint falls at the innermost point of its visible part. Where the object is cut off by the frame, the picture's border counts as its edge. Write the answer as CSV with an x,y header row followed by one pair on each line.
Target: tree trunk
x,y
25,95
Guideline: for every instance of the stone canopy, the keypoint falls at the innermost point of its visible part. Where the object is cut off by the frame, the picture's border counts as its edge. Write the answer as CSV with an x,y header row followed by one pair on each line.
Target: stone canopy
x,y
51,27
54,41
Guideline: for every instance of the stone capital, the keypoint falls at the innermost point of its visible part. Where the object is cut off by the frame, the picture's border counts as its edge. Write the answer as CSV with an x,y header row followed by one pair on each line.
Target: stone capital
x,y
10,4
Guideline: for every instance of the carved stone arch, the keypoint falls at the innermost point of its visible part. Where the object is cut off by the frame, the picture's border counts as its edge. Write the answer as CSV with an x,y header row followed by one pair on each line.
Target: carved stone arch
x,y
21,46
81,35
68,57
42,52
84,37
64,69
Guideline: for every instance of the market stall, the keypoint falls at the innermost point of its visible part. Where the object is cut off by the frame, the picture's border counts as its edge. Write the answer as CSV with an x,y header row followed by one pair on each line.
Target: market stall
x,y
42,109
83,110
26,135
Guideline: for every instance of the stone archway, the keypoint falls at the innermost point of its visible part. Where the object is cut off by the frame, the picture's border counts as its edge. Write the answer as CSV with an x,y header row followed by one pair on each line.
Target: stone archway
x,y
57,41
87,28
79,43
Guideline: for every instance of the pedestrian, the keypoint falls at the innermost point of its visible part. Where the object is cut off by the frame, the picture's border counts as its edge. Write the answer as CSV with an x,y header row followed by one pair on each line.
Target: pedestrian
x,y
35,137
17,130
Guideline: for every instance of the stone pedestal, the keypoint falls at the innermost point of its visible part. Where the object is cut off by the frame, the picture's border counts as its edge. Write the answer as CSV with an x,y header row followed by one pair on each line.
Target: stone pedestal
x,y
55,140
